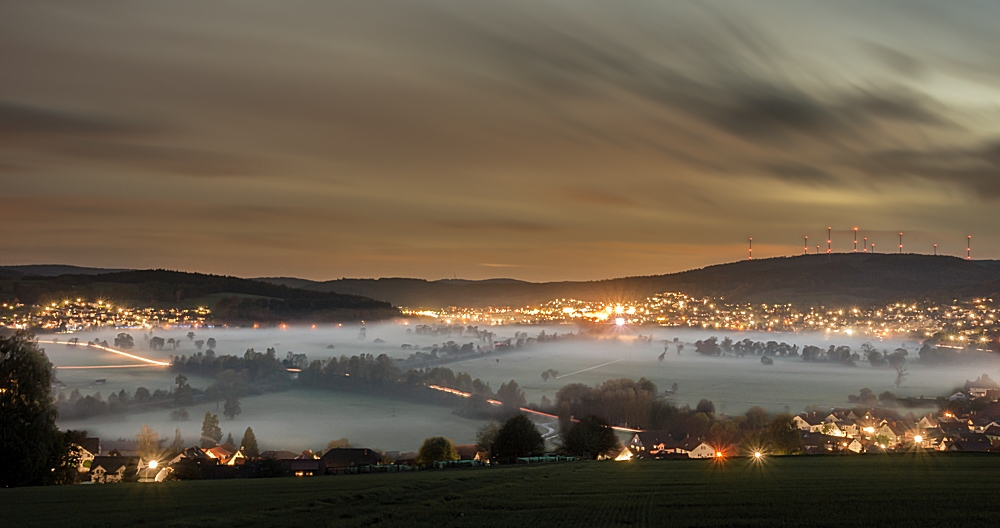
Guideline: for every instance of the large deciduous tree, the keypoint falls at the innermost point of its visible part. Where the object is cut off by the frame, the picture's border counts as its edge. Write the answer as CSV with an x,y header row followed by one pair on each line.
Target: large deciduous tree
x,y
149,443
511,395
590,437
436,449
125,341
518,437
31,447
784,436
232,407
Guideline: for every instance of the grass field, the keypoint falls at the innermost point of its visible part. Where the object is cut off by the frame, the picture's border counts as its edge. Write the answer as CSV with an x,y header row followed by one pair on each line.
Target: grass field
x,y
883,491
302,419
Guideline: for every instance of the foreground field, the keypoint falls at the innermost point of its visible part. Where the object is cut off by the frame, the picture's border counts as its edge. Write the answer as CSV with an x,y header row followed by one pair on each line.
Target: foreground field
x,y
906,490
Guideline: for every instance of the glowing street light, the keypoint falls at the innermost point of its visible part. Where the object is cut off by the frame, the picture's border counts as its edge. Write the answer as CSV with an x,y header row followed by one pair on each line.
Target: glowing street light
x,y
153,464
917,439
619,321
758,455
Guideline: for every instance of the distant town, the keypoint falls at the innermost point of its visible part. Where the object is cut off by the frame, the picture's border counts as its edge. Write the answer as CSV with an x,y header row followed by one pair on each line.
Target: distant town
x,y
75,315
968,323
960,324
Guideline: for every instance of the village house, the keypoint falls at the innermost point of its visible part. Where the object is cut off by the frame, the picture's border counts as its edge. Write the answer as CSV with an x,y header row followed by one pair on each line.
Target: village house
x,y
88,448
111,469
226,456
810,422
338,459
694,448
470,452
652,442
993,433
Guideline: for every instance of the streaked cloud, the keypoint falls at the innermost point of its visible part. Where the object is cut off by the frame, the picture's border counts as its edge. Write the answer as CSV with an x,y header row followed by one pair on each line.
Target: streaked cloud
x,y
582,139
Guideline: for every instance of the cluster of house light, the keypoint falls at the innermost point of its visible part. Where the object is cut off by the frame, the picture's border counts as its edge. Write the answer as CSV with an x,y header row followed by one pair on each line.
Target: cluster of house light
x,y
78,314
971,322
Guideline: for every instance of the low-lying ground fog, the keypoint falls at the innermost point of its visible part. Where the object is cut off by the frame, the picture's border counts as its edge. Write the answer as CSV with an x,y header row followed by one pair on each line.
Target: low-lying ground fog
x,y
301,419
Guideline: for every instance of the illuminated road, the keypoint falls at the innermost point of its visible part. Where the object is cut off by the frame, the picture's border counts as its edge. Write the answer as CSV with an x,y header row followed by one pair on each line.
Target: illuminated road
x,y
82,367
149,361
463,394
550,432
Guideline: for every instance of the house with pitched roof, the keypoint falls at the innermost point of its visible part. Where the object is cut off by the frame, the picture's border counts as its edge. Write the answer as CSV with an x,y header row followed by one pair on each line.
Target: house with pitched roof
x,y
695,448
110,469
338,459
88,448
993,433
652,442
810,422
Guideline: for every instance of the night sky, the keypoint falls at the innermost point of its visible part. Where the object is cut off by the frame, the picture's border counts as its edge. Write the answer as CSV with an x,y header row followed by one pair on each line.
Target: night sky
x,y
540,140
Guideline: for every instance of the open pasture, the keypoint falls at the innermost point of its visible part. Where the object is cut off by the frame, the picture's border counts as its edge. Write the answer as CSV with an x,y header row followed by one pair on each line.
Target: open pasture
x,y
821,491
302,419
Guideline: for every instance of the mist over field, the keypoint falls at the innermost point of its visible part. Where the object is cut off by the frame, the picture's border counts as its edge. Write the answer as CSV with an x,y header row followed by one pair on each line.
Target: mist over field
x,y
307,419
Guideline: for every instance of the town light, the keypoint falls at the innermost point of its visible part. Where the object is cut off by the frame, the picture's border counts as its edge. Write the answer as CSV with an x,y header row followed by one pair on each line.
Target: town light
x,y
620,321
758,455
153,464
918,439
718,454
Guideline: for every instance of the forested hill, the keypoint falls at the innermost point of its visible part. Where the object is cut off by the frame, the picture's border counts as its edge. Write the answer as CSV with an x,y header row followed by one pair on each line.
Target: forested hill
x,y
843,279
231,299
52,270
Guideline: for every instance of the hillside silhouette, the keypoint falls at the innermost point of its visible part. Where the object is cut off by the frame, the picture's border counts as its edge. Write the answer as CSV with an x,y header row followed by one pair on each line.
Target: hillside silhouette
x,y
231,299
844,279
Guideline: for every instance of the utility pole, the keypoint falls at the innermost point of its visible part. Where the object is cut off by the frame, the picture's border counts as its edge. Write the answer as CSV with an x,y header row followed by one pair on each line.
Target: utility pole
x,y
968,247
900,243
805,245
935,250
855,240
866,244
829,240
750,251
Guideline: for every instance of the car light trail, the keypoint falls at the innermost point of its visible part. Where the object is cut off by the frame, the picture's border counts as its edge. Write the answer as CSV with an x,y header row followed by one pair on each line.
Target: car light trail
x,y
498,403
82,367
113,351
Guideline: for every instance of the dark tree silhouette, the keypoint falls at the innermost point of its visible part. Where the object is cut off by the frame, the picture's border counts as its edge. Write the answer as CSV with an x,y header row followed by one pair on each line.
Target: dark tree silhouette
x,y
211,433
249,444
518,437
31,447
232,407
590,437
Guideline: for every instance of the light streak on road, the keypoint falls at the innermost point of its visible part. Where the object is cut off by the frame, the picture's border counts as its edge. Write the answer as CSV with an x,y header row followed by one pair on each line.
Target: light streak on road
x,y
464,394
82,367
113,351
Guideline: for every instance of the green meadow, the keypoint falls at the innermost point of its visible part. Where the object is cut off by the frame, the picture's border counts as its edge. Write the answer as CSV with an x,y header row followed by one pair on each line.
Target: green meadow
x,y
912,490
